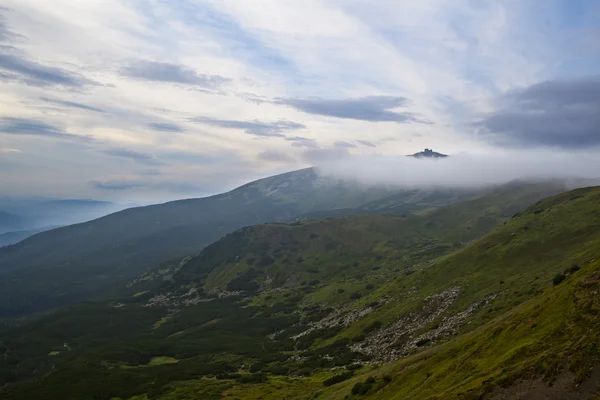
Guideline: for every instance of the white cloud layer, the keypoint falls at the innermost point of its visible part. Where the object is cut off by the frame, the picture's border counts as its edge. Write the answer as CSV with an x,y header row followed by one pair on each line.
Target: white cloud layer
x,y
466,170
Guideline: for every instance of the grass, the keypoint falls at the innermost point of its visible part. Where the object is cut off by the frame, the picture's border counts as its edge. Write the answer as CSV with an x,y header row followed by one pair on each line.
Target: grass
x,y
528,342
161,360
311,270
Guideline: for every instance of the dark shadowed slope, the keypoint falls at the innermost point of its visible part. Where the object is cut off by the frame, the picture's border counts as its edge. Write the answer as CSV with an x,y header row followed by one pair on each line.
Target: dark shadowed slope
x,y
68,264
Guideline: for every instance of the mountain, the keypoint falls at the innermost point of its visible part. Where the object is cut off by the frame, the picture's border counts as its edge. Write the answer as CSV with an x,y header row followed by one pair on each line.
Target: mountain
x,y
97,258
367,306
9,238
428,153
10,222
23,217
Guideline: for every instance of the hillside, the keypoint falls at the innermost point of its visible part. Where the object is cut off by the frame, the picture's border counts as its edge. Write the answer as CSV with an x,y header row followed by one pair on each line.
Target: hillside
x,y
9,238
416,296
96,259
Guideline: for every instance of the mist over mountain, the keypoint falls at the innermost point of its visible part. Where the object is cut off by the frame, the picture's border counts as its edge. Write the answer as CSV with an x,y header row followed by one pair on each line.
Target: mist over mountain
x,y
430,169
21,217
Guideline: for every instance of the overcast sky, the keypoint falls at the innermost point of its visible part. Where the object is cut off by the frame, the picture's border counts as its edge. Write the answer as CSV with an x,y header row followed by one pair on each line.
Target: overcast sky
x,y
163,99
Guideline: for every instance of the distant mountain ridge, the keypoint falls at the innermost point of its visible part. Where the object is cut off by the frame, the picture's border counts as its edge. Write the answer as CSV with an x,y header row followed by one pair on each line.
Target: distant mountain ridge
x,y
21,217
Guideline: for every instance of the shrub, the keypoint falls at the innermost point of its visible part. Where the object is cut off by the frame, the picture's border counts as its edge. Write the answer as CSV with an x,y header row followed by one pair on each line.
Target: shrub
x,y
355,296
369,286
256,367
354,367
338,378
244,281
558,278
362,388
265,261
279,370
372,327
340,290
357,387
253,378
228,376
574,269
359,338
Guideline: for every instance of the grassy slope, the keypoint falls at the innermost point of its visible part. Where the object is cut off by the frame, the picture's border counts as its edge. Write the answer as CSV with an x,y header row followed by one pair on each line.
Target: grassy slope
x,y
532,341
529,329
326,249
564,231
528,340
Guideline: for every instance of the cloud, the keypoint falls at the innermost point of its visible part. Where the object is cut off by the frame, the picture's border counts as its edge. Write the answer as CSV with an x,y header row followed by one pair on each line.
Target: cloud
x,y
464,170
115,185
138,157
337,67
142,182
344,145
165,127
299,141
172,73
555,113
7,150
18,68
370,108
275,156
5,33
366,143
71,104
32,127
325,154
256,128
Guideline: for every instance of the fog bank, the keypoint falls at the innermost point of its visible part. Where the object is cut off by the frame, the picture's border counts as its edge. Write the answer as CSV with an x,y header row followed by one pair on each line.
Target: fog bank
x,y
465,170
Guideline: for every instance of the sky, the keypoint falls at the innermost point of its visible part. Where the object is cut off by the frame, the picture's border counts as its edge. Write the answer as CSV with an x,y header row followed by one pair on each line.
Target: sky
x,y
148,100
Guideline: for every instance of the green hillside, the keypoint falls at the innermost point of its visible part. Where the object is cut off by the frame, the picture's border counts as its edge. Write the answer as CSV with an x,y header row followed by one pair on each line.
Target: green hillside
x,y
311,309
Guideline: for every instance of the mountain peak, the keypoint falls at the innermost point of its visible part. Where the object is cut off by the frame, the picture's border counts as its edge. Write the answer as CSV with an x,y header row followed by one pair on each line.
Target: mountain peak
x,y
428,153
